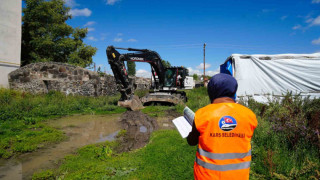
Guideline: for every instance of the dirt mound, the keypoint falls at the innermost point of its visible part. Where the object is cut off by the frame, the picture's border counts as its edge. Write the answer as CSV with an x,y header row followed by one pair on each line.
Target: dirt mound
x,y
138,128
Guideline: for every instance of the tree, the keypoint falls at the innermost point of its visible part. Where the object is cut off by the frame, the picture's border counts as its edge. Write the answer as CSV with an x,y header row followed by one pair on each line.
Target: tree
x,y
131,68
47,37
165,63
195,77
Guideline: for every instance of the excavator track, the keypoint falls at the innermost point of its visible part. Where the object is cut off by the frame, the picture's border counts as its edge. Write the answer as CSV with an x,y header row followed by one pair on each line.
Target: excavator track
x,y
169,97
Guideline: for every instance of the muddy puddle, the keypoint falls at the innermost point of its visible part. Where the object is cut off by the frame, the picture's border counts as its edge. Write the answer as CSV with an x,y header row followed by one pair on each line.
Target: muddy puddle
x,y
80,129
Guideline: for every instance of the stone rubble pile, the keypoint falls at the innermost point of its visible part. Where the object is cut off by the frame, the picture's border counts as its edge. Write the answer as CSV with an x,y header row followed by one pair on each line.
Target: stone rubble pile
x,y
43,77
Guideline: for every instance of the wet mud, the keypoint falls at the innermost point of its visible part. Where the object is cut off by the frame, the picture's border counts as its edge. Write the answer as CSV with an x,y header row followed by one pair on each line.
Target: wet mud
x,y
138,128
80,129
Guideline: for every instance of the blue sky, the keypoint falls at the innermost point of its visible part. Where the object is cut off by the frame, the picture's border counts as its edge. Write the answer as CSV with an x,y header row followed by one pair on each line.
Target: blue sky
x,y
178,29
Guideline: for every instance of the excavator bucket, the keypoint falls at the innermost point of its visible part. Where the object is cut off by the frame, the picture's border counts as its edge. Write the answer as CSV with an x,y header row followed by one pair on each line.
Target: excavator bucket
x,y
134,103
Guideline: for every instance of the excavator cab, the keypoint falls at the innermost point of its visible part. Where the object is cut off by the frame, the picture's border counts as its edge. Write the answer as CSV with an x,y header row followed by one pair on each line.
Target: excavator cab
x,y
174,77
170,78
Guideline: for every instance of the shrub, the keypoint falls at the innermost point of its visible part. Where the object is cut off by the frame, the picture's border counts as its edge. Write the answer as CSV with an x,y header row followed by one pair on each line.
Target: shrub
x,y
286,141
295,117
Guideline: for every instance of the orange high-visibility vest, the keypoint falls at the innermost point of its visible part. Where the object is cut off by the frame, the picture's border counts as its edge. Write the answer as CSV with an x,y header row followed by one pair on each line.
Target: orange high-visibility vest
x,y
224,149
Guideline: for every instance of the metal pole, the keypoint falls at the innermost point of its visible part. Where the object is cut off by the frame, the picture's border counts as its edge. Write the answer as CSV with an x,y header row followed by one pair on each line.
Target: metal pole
x,y
204,62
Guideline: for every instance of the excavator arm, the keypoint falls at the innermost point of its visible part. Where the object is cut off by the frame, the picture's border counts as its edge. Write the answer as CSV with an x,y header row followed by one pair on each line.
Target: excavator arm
x,y
116,61
120,73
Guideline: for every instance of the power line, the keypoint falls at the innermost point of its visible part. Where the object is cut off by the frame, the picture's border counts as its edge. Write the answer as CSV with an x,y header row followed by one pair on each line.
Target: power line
x,y
226,46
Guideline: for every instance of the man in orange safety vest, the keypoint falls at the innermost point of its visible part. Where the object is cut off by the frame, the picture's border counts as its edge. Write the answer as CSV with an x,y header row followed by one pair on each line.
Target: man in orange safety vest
x,y
223,132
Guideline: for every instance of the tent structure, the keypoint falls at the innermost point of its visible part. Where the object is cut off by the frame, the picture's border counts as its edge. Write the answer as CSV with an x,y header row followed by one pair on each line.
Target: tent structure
x,y
260,76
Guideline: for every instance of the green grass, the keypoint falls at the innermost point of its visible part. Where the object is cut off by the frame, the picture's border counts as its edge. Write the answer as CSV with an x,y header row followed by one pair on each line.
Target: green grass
x,y
197,98
167,156
283,145
44,175
141,93
22,114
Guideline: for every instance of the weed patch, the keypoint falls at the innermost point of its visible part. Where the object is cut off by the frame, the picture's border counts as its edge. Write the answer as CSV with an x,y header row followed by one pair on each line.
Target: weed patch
x,y
286,141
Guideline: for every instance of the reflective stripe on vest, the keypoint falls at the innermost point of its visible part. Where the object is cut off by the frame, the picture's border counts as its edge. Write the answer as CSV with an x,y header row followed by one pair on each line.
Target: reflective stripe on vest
x,y
228,167
223,156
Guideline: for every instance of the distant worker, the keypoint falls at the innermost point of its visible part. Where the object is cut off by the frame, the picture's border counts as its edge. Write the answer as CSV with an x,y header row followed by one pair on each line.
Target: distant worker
x,y
223,132
180,81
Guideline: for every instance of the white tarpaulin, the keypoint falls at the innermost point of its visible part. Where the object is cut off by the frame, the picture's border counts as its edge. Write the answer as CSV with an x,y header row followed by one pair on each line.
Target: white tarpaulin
x,y
277,74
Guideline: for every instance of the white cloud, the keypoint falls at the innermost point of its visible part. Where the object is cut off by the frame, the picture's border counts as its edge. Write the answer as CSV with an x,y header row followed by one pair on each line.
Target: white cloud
x,y
283,18
309,20
80,12
201,66
112,2
200,72
119,34
212,73
297,27
90,29
117,39
315,1
193,71
71,3
316,41
143,73
91,38
132,40
316,21
90,23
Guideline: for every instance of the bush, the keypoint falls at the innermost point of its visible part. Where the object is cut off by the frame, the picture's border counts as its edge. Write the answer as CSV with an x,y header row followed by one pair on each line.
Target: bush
x,y
295,117
286,141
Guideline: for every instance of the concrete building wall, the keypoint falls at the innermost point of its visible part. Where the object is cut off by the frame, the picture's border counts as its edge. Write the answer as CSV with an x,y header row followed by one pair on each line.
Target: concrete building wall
x,y
10,38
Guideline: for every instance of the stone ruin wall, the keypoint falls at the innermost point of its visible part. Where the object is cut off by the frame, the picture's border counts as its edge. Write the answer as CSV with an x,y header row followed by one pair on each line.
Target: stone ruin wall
x,y
46,76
